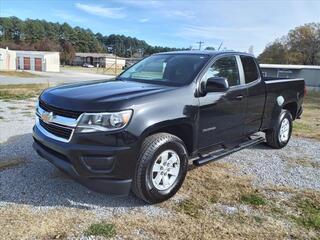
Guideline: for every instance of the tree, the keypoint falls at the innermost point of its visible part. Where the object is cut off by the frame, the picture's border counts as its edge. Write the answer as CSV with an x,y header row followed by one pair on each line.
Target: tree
x,y
48,36
274,53
67,52
304,41
300,46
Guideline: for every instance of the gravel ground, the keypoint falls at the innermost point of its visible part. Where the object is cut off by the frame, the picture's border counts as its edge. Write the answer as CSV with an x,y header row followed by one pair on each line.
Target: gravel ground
x,y
297,165
35,183
65,76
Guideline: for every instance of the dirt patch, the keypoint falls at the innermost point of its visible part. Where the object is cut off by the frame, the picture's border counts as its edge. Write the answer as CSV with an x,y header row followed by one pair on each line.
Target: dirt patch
x,y
9,163
19,74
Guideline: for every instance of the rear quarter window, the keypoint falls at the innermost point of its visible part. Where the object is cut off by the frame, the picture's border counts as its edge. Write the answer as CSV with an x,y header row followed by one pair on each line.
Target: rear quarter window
x,y
250,69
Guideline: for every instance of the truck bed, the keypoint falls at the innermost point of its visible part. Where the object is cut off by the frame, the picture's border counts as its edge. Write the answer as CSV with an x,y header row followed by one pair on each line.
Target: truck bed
x,y
290,89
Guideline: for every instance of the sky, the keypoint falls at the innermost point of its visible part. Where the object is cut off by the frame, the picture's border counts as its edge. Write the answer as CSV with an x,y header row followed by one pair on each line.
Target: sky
x,y
236,25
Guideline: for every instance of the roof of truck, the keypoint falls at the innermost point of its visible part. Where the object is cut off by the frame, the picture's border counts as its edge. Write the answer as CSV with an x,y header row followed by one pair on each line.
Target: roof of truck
x,y
207,52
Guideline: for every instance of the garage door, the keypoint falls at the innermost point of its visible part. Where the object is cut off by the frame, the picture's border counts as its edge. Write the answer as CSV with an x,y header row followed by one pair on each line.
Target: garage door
x,y
38,64
26,63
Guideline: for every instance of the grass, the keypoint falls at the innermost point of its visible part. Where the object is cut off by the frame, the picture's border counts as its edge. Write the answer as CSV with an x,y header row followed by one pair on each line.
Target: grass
x,y
309,124
101,229
253,199
21,91
309,214
108,71
302,161
189,207
18,74
197,216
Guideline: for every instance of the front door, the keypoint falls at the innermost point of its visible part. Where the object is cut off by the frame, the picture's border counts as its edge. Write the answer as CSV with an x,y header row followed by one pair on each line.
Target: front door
x,y
222,114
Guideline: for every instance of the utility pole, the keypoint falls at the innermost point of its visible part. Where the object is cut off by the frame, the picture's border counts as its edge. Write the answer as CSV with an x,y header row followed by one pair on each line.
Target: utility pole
x,y
200,44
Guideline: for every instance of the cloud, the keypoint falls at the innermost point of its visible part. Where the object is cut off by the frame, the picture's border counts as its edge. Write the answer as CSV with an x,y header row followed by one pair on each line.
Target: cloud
x,y
179,13
144,20
142,4
115,13
67,16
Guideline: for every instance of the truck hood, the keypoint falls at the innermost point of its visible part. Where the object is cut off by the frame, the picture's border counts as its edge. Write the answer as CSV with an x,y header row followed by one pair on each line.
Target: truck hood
x,y
98,95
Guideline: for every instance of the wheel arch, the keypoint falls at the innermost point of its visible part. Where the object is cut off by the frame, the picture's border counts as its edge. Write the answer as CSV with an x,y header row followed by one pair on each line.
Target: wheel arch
x,y
292,107
181,129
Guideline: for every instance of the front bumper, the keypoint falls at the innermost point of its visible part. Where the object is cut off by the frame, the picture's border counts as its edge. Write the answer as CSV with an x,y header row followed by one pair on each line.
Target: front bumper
x,y
102,162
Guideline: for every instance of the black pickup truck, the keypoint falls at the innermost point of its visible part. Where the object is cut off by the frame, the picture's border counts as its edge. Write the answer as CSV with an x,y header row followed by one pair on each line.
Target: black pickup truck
x,y
140,131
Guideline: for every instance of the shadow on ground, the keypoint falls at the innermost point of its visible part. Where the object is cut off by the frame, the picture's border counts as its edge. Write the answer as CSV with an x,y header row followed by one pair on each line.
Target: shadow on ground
x,y
36,182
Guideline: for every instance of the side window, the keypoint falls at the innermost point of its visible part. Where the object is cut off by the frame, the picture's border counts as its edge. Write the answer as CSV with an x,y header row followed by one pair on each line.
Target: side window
x,y
226,67
250,69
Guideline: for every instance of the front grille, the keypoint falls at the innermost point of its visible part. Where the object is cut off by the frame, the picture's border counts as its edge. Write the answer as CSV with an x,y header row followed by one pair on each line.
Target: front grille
x,y
56,130
59,111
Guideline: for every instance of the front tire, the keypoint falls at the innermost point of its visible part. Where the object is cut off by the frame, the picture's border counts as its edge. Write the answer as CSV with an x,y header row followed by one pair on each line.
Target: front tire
x,y
279,136
161,168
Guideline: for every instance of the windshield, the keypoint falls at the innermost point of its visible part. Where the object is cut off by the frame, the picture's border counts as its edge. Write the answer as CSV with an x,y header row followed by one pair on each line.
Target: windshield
x,y
170,69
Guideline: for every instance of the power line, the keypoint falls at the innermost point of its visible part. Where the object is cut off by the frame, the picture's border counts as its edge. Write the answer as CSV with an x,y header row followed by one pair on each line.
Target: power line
x,y
200,44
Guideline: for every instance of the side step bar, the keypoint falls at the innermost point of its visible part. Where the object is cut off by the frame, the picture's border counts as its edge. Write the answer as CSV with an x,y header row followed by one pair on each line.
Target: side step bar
x,y
215,156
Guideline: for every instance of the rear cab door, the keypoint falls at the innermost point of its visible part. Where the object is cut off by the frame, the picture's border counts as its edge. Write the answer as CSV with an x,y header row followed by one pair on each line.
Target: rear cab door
x,y
256,94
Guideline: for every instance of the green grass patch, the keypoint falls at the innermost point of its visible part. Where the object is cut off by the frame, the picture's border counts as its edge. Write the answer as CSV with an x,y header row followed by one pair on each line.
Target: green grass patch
x,y
258,219
189,207
253,199
21,91
309,214
18,74
107,230
214,198
301,126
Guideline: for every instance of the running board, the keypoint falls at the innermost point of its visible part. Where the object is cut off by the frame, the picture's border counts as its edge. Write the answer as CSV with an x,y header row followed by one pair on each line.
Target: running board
x,y
215,156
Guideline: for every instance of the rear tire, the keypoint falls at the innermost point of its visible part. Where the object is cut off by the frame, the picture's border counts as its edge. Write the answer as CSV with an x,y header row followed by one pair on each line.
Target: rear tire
x,y
161,168
279,136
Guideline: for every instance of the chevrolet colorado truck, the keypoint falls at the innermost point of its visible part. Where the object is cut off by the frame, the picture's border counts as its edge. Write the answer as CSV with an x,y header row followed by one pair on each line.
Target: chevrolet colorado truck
x,y
140,131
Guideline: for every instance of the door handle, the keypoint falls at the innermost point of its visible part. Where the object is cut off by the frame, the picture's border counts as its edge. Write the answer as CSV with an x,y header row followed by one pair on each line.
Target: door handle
x,y
239,97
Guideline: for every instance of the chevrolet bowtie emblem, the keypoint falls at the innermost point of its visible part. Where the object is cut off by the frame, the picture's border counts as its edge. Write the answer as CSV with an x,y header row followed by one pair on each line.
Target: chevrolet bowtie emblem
x,y
47,117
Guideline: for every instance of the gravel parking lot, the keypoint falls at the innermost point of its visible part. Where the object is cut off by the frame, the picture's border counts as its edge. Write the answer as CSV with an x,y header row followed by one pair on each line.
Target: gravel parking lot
x,y
29,183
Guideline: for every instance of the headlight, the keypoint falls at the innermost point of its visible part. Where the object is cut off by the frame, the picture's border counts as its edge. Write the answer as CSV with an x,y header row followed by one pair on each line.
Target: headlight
x,y
93,122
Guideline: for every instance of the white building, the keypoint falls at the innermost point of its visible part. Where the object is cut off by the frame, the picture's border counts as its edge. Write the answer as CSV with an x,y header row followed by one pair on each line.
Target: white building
x,y
7,60
310,73
38,61
98,59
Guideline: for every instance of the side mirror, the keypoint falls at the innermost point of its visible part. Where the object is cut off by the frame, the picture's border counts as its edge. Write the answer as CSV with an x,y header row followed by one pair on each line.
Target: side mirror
x,y
216,84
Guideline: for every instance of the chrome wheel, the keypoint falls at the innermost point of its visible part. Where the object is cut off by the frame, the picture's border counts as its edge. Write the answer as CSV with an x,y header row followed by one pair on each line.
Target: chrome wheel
x,y
284,130
165,170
